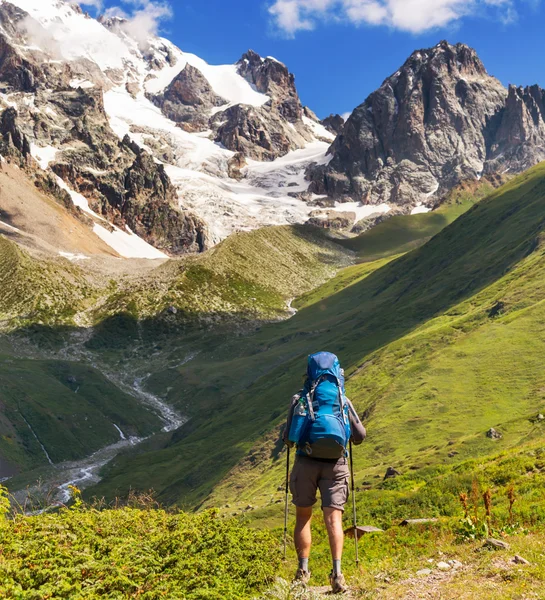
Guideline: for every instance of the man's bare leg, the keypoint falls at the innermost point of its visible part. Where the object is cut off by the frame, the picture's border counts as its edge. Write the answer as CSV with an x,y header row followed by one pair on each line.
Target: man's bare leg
x,y
303,540
303,535
334,524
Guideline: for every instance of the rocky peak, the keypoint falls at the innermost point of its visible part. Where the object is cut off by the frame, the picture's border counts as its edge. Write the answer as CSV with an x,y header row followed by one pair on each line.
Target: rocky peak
x,y
189,99
445,58
421,133
334,124
191,88
271,77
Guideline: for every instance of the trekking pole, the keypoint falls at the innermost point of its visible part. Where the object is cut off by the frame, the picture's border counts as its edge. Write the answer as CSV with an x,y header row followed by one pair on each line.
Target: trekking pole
x,y
354,507
286,506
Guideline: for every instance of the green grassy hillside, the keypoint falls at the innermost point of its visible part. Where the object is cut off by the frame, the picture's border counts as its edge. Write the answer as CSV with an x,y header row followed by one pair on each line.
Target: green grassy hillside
x,y
33,291
66,410
439,346
249,275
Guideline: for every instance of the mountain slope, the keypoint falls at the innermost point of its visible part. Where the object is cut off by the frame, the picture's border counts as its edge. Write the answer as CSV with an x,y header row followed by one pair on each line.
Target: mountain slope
x,y
55,411
415,338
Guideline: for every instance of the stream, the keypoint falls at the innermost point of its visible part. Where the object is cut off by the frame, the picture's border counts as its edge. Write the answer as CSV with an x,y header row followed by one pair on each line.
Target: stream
x,y
85,472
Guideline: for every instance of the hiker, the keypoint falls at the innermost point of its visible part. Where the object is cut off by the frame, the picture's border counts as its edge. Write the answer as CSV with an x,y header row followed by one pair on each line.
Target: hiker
x,y
321,422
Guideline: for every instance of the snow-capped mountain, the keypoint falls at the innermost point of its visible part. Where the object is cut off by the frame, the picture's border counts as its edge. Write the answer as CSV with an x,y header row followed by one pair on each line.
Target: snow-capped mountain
x,y
150,141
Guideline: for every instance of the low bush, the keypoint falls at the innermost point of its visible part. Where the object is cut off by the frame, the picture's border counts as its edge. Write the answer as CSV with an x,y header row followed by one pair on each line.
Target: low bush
x,y
130,552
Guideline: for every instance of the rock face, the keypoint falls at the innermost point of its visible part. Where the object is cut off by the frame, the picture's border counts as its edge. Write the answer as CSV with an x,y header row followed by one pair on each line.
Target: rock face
x,y
423,131
518,143
259,133
334,124
14,142
189,99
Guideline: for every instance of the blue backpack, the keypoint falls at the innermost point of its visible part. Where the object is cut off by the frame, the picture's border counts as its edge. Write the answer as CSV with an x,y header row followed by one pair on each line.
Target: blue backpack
x,y
320,425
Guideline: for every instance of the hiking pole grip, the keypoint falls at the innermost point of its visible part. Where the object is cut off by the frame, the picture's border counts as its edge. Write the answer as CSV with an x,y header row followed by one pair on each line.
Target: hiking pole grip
x,y
286,504
354,514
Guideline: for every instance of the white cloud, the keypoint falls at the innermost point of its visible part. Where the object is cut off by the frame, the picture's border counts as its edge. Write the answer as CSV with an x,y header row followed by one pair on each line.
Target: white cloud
x,y
143,18
98,4
414,16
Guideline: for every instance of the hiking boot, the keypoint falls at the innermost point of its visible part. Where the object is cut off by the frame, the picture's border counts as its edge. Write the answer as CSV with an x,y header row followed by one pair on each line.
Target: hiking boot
x,y
302,576
338,583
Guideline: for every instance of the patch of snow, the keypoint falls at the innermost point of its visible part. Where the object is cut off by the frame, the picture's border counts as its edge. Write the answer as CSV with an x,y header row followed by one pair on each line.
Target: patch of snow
x,y
81,83
420,209
3,224
318,129
432,191
73,257
78,199
43,155
127,245
362,210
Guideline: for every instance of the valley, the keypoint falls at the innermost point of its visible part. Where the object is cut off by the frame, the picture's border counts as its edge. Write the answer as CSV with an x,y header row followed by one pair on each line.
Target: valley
x,y
177,237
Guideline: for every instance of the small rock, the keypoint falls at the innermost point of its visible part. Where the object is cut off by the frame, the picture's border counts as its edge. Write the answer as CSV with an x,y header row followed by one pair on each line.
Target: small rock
x,y
424,572
455,564
540,417
71,379
391,472
493,434
407,522
443,566
518,560
172,310
431,561
498,544
362,530
452,454
249,507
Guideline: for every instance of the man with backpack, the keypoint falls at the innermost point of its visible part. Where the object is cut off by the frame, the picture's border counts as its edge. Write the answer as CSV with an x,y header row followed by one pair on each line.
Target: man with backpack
x,y
321,423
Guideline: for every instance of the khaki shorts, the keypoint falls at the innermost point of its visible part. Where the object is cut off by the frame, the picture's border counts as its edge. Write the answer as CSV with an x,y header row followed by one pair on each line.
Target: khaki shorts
x,y
331,478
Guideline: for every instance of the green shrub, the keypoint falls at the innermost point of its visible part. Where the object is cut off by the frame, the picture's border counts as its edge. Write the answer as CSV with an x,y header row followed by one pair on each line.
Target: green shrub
x,y
133,553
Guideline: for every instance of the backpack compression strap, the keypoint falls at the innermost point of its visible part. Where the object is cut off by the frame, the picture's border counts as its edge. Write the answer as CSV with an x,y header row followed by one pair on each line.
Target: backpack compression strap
x,y
310,396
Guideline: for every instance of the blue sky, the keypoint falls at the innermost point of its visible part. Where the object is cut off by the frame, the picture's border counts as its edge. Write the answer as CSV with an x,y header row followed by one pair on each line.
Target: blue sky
x,y
341,50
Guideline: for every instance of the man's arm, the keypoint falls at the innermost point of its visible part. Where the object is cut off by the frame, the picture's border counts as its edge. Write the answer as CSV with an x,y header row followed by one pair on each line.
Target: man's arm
x,y
358,430
286,432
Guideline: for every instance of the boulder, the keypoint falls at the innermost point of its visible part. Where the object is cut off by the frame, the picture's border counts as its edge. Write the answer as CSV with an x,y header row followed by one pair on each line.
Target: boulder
x,y
494,434
391,473
496,544
418,521
362,530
